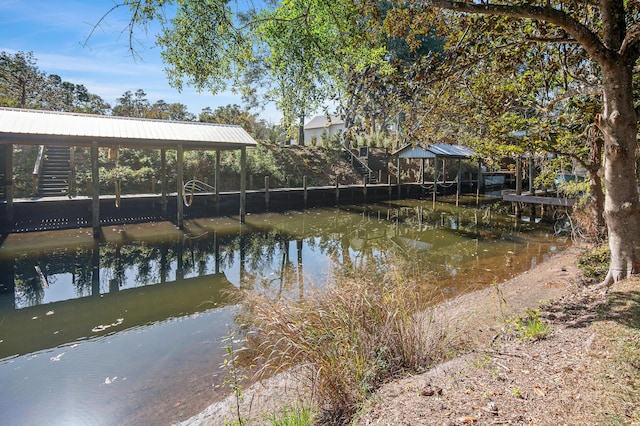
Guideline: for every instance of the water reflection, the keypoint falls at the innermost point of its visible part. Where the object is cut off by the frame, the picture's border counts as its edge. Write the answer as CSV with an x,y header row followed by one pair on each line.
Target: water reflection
x,y
58,290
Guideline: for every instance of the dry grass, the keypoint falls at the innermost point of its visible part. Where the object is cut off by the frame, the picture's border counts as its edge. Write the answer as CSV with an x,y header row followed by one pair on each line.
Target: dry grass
x,y
618,337
348,338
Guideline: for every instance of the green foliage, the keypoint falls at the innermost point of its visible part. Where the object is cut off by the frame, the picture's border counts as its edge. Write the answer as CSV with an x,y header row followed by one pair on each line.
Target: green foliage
x,y
234,377
530,327
574,189
24,85
24,158
291,416
594,263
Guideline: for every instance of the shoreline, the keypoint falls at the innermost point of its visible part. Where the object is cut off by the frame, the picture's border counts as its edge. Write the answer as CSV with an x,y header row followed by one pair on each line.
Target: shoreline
x,y
473,319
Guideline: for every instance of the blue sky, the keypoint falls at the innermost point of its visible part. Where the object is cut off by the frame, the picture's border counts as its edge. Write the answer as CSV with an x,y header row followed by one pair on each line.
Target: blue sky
x,y
56,31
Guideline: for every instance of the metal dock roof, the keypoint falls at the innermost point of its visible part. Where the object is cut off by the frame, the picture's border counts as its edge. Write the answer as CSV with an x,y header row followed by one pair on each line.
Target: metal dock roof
x,y
435,150
24,126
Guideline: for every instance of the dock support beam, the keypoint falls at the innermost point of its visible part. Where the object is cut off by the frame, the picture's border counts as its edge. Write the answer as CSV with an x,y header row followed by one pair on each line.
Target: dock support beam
x,y
266,192
9,181
243,183
398,178
532,174
435,180
163,181
459,182
95,191
180,184
304,185
216,181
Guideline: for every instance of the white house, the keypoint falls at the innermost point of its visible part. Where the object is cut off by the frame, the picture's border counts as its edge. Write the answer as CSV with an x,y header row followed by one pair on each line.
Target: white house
x,y
322,126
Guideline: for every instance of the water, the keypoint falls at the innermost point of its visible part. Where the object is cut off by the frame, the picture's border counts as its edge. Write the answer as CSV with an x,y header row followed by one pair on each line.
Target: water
x,y
129,331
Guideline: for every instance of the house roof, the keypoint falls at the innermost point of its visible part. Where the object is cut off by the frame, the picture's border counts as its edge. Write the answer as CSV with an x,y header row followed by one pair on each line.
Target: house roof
x,y
24,126
433,151
322,121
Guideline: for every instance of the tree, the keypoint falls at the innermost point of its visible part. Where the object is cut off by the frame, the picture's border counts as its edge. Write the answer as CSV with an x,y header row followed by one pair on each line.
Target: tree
x,y
23,85
294,53
609,32
507,99
235,115
21,82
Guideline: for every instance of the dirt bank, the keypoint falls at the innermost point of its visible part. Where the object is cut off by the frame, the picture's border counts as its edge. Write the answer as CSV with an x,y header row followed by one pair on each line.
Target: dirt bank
x,y
576,375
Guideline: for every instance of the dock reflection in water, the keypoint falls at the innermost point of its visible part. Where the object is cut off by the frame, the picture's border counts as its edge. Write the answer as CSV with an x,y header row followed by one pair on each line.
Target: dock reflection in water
x,y
129,330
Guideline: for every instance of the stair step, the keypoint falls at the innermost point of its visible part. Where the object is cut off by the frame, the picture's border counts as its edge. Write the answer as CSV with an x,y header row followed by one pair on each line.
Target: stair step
x,y
55,171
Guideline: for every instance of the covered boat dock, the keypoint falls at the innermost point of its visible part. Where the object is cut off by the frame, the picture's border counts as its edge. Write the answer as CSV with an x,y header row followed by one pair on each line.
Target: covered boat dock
x,y
35,127
433,153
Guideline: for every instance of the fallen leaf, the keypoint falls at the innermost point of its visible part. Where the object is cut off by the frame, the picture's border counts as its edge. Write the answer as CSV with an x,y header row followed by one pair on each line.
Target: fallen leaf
x,y
467,419
538,390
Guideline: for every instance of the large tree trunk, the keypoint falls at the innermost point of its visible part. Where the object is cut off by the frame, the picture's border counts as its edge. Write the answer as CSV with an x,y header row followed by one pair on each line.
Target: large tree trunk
x,y
596,194
621,206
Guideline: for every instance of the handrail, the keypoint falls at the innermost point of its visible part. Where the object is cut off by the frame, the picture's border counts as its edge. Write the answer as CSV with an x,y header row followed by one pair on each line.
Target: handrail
x,y
354,158
36,168
193,186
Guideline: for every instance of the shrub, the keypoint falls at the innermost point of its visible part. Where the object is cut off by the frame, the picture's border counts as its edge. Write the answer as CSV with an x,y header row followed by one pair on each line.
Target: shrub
x,y
595,262
530,327
348,338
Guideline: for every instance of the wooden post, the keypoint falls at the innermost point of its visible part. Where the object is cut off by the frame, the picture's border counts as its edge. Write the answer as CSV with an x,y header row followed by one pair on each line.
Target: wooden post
x,y
480,182
459,182
180,184
435,180
422,171
518,176
337,191
398,183
163,181
364,188
389,184
216,181
532,174
304,185
72,171
266,192
243,183
9,182
95,190
444,175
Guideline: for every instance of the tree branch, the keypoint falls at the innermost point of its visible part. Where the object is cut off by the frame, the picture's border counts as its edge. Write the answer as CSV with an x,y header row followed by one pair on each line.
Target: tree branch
x,y
583,90
583,35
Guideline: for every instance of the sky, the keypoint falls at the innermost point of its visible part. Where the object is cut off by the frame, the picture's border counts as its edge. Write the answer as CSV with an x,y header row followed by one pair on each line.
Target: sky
x,y
56,31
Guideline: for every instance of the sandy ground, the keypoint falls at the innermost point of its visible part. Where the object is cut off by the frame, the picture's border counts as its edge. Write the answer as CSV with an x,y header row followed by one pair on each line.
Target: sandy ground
x,y
476,322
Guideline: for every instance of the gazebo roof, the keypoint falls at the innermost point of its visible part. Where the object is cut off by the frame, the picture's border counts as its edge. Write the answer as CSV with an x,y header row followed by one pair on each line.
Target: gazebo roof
x,y
433,151
36,127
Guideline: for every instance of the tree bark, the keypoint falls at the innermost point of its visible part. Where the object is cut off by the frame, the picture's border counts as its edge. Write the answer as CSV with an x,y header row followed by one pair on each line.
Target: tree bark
x,y
621,206
594,167
616,53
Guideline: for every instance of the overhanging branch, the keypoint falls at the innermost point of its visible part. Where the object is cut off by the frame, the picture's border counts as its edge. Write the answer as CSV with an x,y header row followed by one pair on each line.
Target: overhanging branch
x,y
582,34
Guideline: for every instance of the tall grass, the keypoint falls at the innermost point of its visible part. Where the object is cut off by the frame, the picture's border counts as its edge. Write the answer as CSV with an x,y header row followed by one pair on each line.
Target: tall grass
x,y
348,338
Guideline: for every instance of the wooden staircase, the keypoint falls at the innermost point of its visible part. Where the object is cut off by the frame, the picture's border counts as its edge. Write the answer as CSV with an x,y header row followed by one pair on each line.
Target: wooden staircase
x,y
359,166
55,172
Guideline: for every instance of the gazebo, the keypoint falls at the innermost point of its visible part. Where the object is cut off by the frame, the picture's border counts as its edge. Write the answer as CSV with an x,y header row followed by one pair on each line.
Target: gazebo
x,y
35,127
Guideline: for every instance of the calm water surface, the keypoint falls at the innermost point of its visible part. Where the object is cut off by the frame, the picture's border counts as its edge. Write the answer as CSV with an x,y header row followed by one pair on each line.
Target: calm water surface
x,y
129,330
